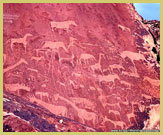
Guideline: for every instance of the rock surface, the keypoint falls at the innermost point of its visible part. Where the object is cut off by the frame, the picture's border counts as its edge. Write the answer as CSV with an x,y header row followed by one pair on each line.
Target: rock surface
x,y
67,64
28,117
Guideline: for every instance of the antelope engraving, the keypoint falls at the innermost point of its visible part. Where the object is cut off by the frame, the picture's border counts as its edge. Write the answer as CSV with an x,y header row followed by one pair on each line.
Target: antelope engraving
x,y
54,46
20,41
85,58
62,25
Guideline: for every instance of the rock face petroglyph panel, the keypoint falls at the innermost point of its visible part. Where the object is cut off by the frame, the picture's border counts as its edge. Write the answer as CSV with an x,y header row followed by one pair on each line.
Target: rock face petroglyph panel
x,y
79,68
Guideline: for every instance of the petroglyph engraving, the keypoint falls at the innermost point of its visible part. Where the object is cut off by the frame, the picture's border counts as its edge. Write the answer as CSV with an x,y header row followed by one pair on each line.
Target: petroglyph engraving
x,y
54,46
62,25
132,55
85,58
20,41
21,61
97,66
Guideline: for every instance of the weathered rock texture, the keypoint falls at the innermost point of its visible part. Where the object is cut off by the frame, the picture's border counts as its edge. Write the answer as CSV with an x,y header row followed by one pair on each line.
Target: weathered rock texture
x,y
28,117
67,64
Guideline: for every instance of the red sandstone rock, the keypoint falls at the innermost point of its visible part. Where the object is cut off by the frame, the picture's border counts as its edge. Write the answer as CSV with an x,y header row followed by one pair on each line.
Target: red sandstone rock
x,y
91,63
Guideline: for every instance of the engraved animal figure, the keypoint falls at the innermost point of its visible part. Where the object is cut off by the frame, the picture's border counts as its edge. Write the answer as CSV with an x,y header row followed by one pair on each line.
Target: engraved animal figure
x,y
108,78
70,59
62,25
82,114
21,61
97,66
58,110
20,40
54,46
85,58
